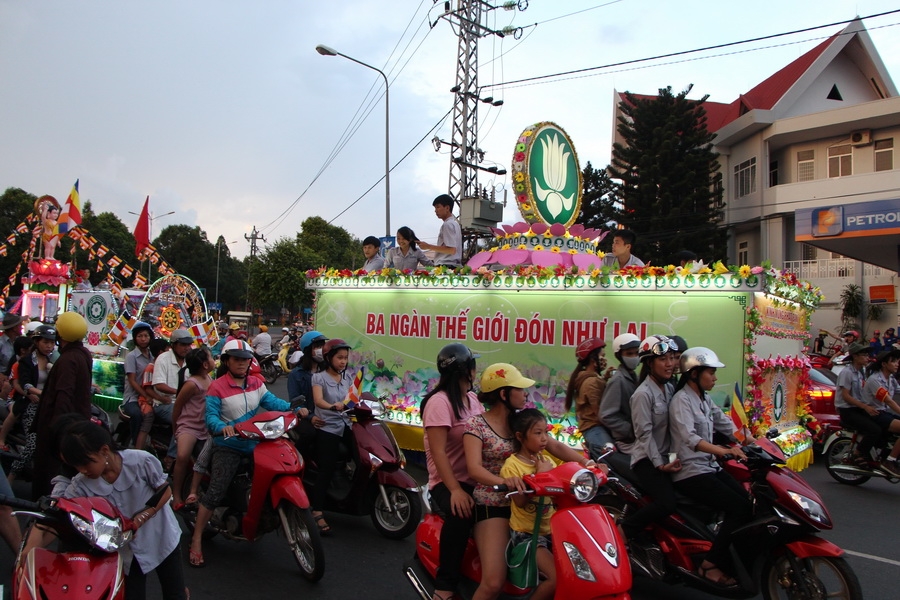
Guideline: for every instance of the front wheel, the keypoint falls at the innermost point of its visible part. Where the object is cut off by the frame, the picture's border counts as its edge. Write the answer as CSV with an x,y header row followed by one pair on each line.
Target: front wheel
x,y
839,453
302,536
400,516
813,578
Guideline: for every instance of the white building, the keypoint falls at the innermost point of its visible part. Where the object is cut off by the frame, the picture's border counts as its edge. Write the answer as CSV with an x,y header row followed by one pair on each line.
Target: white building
x,y
810,175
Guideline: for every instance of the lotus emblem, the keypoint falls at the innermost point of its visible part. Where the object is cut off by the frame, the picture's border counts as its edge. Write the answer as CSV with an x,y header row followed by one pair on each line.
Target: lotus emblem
x,y
547,176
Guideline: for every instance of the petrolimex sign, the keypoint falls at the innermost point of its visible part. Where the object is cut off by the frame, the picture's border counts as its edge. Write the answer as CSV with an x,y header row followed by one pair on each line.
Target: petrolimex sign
x,y
849,220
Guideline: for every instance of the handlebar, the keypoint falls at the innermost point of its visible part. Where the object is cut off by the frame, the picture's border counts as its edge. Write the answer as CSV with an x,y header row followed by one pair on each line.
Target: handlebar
x,y
20,504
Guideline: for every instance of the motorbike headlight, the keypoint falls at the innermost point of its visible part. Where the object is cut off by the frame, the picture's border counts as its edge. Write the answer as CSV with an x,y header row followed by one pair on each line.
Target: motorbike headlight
x,y
104,533
811,508
579,564
584,485
272,429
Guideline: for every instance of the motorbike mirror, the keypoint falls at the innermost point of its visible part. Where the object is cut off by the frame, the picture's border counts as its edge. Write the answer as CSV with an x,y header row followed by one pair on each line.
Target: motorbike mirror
x,y
772,434
298,401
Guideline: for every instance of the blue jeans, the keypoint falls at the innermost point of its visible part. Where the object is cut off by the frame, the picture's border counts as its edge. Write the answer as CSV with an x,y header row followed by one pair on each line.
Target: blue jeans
x,y
597,437
133,411
163,412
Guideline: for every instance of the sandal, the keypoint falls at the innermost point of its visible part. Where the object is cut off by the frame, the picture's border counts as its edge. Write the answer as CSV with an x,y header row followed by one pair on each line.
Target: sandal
x,y
191,500
196,559
324,528
722,579
178,506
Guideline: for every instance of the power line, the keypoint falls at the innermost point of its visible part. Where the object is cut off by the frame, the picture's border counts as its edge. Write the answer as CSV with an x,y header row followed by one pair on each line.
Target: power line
x,y
683,52
416,145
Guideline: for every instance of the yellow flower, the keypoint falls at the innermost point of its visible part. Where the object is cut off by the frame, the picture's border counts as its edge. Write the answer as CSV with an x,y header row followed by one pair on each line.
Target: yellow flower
x,y
529,234
526,207
547,234
527,133
505,247
494,249
519,177
573,251
601,253
704,271
555,249
522,247
744,271
538,248
596,273
670,269
719,268
567,235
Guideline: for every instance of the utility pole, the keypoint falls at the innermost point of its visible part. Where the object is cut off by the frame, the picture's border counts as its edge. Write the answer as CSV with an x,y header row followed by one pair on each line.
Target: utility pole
x,y
254,235
465,155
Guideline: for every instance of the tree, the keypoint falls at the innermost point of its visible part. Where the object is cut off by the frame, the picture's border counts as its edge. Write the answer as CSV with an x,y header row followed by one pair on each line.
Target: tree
x,y
15,206
600,204
278,274
670,182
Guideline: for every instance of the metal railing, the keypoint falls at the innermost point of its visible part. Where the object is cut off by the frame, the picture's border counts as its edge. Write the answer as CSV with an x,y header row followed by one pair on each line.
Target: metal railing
x,y
831,268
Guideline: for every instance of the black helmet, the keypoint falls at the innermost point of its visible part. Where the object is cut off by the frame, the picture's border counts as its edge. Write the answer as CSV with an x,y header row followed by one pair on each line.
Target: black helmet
x,y
141,326
455,358
44,331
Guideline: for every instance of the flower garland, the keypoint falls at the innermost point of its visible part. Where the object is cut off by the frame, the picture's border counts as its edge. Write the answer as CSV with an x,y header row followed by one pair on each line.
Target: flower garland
x,y
782,285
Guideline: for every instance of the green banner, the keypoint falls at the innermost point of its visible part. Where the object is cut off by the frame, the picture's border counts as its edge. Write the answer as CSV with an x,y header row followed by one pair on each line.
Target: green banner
x,y
397,334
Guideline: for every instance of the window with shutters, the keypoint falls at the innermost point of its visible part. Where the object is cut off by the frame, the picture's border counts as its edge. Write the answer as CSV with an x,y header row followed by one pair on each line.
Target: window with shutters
x,y
806,165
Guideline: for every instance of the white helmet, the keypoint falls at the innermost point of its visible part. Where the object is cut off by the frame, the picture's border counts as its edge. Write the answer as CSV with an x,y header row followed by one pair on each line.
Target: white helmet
x,y
699,357
626,341
31,326
237,349
656,345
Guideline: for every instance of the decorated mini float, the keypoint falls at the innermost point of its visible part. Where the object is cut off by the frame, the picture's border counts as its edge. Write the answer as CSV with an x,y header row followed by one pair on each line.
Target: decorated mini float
x,y
542,287
51,286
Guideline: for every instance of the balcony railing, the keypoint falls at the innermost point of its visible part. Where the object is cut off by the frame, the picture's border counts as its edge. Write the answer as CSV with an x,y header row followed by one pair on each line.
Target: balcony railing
x,y
832,268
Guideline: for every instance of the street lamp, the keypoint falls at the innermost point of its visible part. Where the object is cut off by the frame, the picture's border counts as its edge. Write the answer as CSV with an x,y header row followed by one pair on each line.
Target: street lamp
x,y
326,51
219,243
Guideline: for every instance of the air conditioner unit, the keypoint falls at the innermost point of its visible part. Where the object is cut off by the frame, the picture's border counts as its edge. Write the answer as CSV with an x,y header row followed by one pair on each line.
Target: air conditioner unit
x,y
863,137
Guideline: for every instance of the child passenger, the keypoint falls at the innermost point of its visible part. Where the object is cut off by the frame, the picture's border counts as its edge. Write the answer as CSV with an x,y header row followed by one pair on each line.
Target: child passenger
x,y
530,428
189,418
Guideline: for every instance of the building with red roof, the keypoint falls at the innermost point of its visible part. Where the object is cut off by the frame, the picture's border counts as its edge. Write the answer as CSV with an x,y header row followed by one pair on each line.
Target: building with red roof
x,y
810,168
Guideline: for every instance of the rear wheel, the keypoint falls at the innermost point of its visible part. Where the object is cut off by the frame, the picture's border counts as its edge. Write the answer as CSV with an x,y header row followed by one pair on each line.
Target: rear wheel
x,y
839,453
813,578
400,517
302,535
269,372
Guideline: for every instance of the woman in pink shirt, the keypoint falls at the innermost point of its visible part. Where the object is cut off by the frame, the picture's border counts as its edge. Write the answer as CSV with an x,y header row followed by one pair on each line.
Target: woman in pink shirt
x,y
445,410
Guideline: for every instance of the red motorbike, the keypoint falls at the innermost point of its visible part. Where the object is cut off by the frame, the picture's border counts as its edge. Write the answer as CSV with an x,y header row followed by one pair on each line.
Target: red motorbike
x,y
268,494
777,553
589,553
370,478
87,563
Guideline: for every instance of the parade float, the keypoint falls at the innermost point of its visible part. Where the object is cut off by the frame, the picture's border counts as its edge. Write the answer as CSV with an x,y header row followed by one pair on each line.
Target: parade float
x,y
51,286
541,289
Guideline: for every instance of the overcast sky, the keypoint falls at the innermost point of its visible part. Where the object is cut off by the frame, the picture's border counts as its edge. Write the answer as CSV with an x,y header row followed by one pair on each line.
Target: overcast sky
x,y
223,112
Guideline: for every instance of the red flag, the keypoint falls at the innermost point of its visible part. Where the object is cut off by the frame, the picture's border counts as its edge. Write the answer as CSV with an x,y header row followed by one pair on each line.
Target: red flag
x,y
142,230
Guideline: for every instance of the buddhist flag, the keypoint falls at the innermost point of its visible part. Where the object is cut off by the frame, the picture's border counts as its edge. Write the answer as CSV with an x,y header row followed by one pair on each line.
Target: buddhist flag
x,y
738,416
71,215
119,331
355,392
142,230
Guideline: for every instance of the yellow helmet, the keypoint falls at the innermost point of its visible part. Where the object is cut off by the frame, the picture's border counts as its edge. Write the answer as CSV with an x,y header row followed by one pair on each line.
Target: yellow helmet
x,y
71,327
501,375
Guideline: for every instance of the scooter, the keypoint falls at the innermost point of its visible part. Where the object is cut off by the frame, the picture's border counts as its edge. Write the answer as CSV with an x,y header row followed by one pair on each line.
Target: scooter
x,y
589,553
158,439
371,478
778,552
267,494
87,564
270,367
839,449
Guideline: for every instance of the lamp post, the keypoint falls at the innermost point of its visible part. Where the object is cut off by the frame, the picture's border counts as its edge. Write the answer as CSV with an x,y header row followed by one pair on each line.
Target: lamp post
x,y
150,219
219,243
326,51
